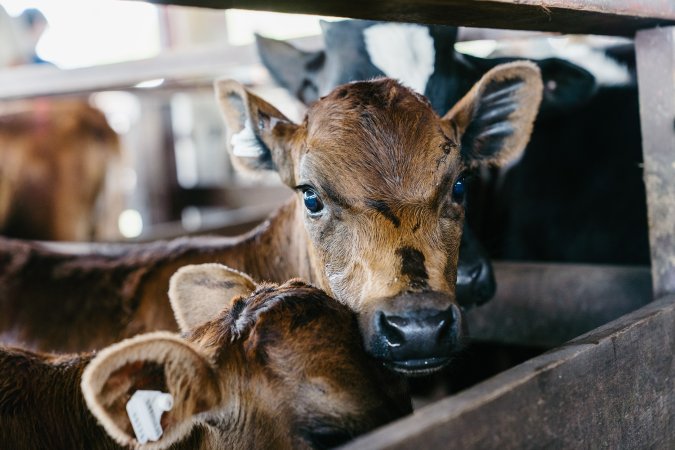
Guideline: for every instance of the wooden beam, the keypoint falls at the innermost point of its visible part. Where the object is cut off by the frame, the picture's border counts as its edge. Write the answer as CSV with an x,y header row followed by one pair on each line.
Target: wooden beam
x,y
202,64
655,51
545,305
611,388
28,81
612,17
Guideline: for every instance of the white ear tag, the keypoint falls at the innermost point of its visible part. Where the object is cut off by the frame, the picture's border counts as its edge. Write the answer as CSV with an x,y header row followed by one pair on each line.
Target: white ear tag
x,y
145,410
245,143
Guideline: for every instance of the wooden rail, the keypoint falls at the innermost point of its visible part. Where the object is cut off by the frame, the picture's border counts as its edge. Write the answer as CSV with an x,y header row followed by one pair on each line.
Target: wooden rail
x,y
611,388
545,305
28,81
611,17
205,64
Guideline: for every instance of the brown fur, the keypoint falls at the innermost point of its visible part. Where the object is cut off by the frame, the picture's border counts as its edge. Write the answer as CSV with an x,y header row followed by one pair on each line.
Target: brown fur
x,y
265,371
53,159
384,165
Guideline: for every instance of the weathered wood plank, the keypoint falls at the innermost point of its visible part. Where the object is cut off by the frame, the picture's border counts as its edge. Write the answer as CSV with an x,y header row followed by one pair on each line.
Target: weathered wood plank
x,y
655,51
548,304
205,63
613,17
611,388
46,80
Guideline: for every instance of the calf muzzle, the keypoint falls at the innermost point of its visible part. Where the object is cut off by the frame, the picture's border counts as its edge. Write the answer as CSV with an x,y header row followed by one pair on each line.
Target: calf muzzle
x,y
414,333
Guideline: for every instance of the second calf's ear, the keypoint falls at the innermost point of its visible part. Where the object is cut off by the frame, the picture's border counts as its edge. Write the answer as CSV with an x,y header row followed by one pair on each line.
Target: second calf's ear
x,y
495,119
199,293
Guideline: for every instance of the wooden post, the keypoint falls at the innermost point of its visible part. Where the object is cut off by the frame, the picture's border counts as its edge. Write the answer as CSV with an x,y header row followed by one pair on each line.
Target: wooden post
x,y
655,51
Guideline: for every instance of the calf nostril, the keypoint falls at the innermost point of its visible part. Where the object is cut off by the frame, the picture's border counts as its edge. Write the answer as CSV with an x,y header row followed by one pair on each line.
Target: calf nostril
x,y
443,330
391,330
445,326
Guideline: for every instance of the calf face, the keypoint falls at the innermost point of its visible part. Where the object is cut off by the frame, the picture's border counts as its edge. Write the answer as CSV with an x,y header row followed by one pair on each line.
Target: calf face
x,y
282,368
381,179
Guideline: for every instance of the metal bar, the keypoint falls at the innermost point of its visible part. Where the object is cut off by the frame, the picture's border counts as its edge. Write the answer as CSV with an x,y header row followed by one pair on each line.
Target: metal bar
x,y
611,388
612,17
545,305
655,51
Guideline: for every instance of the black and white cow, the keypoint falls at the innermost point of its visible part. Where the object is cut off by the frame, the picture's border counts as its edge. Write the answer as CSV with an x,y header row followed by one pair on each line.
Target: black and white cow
x,y
576,195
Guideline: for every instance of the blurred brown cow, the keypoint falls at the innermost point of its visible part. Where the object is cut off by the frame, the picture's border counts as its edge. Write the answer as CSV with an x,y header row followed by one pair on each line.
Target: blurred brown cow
x,y
53,160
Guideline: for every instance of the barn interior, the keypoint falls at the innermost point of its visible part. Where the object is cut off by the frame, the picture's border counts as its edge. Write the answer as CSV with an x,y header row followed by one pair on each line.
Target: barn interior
x,y
568,240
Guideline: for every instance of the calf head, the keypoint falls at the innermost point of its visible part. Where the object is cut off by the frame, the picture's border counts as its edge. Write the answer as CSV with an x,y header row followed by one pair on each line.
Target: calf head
x,y
256,367
422,57
380,183
348,57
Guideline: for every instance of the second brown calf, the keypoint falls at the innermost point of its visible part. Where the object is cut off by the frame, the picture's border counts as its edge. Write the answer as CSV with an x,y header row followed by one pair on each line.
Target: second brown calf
x,y
281,367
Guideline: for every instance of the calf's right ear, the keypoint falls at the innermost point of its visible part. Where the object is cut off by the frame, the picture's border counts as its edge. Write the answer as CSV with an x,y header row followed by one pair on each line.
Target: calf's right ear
x,y
198,293
259,136
152,362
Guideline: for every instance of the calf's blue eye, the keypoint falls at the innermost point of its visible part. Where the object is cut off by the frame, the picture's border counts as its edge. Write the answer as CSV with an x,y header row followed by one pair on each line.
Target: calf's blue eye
x,y
312,201
459,190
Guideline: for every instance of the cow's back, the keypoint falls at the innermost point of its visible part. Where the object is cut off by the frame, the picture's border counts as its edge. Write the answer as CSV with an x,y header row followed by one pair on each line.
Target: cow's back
x,y
75,302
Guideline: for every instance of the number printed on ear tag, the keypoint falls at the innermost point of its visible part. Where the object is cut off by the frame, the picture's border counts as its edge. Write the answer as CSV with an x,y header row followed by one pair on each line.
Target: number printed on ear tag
x,y
145,410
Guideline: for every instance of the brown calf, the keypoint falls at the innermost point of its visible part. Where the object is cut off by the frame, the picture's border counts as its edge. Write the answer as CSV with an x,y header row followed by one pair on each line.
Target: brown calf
x,y
376,222
53,160
283,368
381,177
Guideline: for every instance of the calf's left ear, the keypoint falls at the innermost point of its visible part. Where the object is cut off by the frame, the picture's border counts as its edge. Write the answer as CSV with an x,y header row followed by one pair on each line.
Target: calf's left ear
x,y
199,292
152,362
495,118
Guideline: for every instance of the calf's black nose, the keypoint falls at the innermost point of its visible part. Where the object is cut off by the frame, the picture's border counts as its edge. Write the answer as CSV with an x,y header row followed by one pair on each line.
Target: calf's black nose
x,y
416,341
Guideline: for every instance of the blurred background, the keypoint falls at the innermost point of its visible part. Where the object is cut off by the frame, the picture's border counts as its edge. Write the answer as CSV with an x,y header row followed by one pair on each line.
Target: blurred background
x,y
173,176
